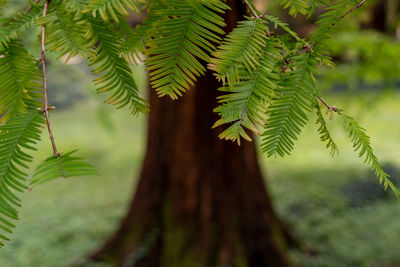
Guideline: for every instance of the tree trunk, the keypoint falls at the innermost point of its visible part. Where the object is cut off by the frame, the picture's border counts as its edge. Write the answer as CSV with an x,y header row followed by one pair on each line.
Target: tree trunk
x,y
200,201
383,16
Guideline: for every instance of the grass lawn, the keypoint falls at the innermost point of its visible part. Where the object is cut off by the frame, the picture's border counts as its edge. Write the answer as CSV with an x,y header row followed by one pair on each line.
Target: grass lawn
x,y
334,205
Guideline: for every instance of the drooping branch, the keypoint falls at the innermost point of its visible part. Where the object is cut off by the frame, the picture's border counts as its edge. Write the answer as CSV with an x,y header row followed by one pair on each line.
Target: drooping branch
x,y
334,108
46,107
308,49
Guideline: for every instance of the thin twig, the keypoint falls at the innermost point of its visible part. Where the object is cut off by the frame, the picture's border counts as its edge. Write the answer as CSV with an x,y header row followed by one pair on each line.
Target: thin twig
x,y
354,8
331,108
252,9
46,107
30,7
351,10
308,49
284,68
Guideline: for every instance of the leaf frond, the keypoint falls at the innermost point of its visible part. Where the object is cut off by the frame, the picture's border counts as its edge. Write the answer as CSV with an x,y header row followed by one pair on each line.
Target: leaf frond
x,y
330,19
288,111
316,3
65,30
134,44
284,26
114,76
20,86
110,9
65,166
185,34
242,47
245,102
324,133
295,6
19,135
362,145
16,27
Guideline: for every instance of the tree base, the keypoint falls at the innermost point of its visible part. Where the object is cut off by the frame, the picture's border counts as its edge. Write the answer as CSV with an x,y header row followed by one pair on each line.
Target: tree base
x,y
200,201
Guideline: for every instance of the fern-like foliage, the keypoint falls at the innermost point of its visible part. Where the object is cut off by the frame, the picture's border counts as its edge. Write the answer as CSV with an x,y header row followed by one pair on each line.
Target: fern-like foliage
x,y
17,136
15,27
110,8
288,112
244,104
133,46
76,5
3,30
114,73
268,79
324,133
276,22
242,47
314,4
186,33
327,22
295,6
330,19
20,81
361,143
65,30
65,166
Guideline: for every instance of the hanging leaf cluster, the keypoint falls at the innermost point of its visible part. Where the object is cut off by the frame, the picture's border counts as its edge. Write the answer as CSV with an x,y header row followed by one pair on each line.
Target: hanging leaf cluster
x,y
268,80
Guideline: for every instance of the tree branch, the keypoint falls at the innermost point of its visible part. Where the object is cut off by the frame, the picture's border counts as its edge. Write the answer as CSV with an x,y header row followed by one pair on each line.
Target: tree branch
x,y
308,48
331,108
354,8
46,107
351,10
334,108
252,9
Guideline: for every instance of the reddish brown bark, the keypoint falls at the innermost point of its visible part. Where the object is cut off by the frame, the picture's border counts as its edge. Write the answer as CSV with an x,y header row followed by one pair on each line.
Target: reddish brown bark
x,y
383,16
200,201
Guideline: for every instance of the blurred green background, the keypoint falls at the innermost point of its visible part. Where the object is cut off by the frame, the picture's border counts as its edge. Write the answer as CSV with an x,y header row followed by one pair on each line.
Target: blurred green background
x,y
335,206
